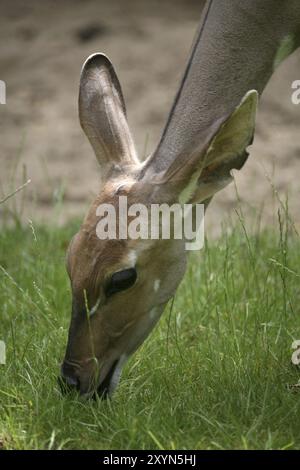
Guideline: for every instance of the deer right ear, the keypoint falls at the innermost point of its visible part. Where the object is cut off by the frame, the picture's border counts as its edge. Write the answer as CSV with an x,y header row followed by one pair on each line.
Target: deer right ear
x,y
228,149
208,168
102,113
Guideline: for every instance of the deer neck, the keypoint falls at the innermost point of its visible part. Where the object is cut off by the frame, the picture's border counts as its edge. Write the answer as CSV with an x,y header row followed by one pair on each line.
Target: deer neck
x,y
237,47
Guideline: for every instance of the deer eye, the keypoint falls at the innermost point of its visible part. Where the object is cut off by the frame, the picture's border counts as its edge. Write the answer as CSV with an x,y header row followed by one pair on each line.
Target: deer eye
x,y
121,280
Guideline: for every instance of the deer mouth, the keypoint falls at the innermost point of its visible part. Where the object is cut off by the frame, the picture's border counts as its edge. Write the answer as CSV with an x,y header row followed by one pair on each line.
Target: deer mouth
x,y
104,390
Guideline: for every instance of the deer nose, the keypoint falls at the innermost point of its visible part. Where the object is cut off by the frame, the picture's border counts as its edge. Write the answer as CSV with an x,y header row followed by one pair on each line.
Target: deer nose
x,y
68,379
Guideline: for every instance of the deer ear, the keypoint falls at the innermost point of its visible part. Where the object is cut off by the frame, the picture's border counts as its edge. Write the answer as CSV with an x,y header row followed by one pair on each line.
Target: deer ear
x,y
102,113
208,172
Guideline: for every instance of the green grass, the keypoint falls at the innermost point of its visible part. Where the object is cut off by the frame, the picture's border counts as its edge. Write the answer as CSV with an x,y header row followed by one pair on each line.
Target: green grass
x,y
213,375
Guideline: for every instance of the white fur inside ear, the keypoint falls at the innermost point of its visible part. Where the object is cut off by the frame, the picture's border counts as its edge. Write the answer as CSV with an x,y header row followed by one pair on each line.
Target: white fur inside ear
x,y
123,184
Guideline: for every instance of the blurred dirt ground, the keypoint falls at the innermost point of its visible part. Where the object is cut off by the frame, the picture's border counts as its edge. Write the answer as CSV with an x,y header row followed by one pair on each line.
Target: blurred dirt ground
x,y
42,47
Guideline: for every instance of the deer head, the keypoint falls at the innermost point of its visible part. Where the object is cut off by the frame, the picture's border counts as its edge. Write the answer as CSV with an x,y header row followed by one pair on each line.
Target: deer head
x,y
121,286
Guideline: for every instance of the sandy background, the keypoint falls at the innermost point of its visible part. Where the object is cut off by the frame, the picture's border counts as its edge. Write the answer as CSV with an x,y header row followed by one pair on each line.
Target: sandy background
x,y
43,44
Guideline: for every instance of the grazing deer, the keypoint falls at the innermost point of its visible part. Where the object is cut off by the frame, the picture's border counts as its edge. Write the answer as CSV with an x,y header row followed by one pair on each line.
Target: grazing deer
x,y
120,287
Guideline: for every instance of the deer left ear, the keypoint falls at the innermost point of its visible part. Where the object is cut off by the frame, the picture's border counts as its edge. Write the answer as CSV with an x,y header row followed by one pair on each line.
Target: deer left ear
x,y
226,150
102,113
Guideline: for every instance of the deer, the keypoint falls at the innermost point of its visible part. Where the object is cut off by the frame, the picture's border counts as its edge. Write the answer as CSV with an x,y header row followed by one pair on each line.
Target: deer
x,y
120,287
